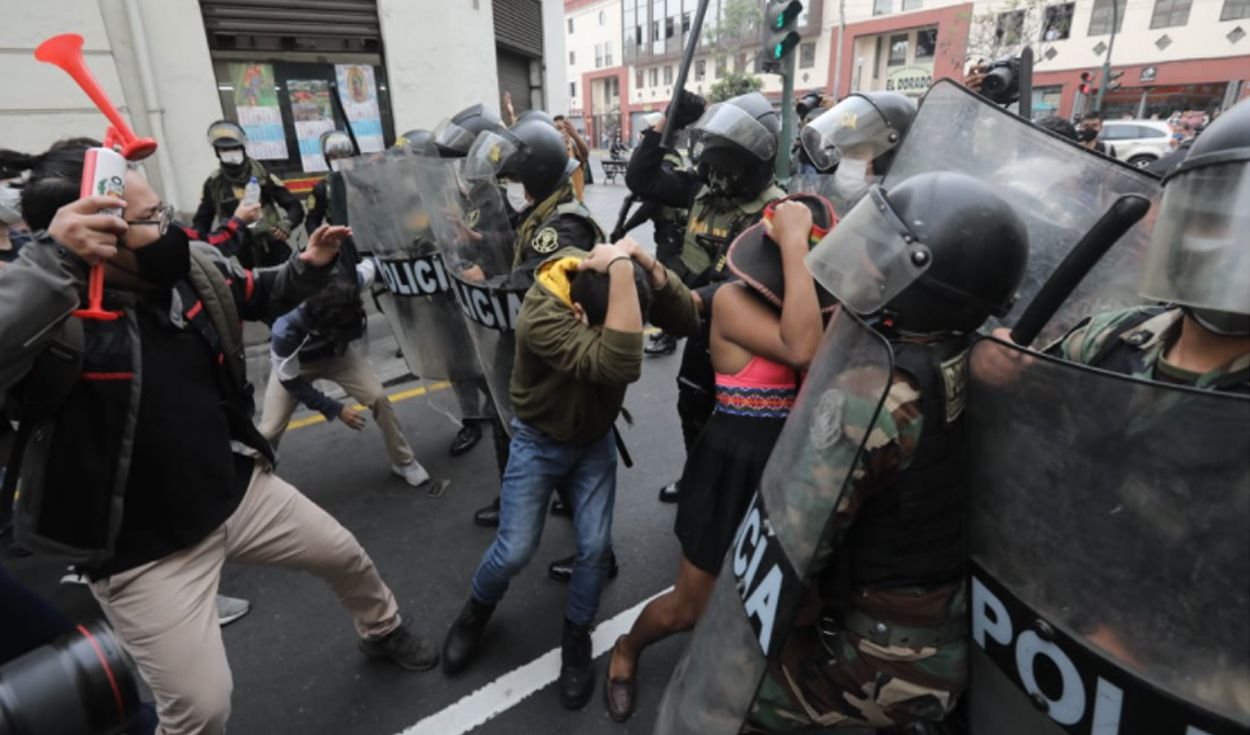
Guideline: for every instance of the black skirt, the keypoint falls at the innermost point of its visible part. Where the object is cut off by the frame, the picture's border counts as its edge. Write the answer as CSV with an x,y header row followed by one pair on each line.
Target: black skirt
x,y
722,474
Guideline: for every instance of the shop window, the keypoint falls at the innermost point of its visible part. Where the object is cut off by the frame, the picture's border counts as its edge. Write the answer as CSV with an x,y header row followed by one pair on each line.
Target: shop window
x,y
653,75
668,74
1169,13
638,79
926,43
807,55
1010,28
1104,12
700,69
1057,23
898,50
882,7
1234,9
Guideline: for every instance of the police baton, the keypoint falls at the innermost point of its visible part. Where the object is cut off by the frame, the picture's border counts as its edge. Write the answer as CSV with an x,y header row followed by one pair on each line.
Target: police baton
x,y
1123,214
692,44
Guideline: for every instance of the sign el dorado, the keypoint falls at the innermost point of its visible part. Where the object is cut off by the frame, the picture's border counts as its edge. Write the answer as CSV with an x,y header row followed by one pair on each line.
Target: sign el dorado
x,y
910,80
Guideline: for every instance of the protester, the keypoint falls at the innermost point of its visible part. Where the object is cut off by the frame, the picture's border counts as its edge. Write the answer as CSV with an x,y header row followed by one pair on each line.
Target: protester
x,y
579,345
313,342
579,151
758,352
196,483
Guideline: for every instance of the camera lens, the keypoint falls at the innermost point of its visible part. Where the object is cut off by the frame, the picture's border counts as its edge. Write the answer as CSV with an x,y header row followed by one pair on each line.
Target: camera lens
x,y
997,80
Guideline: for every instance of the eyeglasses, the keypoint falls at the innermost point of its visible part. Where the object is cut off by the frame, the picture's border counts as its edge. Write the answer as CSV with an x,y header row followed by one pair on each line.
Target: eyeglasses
x,y
164,217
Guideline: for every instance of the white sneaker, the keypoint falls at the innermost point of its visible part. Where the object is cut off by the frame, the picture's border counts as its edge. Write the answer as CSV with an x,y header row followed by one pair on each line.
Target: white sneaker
x,y
413,473
230,609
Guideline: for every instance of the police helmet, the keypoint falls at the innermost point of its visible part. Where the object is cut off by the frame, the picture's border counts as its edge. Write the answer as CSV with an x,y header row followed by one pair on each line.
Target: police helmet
x,y
938,252
737,139
418,141
1199,256
869,125
336,144
531,152
454,136
225,134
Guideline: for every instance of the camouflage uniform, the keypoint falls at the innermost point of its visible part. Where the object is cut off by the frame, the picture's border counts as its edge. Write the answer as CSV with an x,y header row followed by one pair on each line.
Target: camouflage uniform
x,y
829,674
1131,341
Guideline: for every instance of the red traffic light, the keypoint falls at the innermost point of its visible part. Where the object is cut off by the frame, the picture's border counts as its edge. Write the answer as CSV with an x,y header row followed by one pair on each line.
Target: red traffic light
x,y
1087,83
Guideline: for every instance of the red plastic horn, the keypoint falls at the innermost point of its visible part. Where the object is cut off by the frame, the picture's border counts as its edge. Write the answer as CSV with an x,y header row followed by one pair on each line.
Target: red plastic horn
x,y
65,51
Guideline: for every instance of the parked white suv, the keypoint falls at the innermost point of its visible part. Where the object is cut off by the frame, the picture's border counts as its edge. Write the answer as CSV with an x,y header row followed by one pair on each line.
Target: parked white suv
x,y
1139,142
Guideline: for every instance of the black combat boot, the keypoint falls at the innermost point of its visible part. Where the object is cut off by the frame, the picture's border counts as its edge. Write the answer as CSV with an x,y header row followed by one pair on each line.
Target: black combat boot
x,y
465,635
670,492
561,570
577,672
488,516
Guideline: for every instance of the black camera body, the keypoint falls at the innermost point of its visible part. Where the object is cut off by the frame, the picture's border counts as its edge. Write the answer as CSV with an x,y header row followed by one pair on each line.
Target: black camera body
x,y
1002,81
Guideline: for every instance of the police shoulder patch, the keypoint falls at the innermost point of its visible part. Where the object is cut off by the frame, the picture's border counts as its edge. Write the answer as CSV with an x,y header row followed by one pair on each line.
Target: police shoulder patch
x,y
472,217
955,385
546,241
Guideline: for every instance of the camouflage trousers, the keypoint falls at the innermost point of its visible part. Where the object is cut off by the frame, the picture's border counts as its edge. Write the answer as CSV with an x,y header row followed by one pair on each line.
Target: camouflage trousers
x,y
847,681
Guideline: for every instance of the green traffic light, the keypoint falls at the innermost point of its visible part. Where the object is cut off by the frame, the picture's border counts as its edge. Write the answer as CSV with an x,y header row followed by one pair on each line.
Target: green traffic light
x,y
779,50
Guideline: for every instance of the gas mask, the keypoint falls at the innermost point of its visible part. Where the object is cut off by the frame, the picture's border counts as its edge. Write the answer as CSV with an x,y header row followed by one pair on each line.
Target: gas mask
x,y
232,161
10,205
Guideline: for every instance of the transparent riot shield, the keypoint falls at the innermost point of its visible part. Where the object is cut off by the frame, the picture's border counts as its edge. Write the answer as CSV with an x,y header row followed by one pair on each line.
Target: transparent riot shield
x,y
761,584
387,214
473,232
824,185
1110,539
1057,187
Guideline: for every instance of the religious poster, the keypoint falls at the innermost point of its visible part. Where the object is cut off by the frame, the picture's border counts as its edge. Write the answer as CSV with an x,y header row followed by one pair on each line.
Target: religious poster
x,y
359,95
313,115
256,104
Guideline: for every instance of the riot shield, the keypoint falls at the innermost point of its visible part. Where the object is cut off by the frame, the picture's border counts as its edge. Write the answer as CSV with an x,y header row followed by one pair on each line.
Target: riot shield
x,y
823,185
761,584
473,232
388,216
1057,187
1110,539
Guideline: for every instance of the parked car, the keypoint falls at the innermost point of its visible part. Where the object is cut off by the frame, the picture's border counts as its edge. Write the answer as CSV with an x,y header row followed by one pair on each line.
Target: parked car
x,y
1139,142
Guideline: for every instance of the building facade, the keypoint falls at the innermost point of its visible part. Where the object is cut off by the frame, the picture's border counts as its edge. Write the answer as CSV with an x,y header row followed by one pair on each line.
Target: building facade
x,y
285,72
1173,54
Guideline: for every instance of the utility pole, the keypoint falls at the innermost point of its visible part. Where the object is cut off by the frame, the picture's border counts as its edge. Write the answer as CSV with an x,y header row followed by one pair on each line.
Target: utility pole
x,y
1106,60
837,69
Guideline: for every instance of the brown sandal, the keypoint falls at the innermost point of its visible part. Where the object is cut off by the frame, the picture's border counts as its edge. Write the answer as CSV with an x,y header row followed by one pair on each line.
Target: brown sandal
x,y
618,692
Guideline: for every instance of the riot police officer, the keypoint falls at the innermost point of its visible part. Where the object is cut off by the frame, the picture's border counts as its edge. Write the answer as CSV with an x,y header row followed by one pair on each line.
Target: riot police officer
x,y
734,149
335,146
866,506
225,188
854,142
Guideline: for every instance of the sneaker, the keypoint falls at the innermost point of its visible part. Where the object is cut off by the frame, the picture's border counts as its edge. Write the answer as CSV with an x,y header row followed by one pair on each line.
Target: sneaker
x,y
401,648
413,473
662,343
230,609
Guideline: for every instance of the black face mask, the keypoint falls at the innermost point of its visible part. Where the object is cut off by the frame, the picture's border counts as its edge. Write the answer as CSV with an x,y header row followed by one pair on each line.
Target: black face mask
x,y
1085,135
166,261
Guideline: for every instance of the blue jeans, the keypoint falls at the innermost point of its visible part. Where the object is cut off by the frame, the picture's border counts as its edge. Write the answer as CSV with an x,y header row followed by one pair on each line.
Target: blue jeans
x,y
536,464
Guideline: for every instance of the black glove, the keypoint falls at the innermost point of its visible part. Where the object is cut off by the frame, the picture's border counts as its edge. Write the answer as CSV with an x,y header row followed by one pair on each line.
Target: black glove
x,y
690,107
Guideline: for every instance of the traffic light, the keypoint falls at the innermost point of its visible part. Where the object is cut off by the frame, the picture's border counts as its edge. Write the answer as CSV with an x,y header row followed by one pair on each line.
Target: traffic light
x,y
1087,84
1112,82
780,36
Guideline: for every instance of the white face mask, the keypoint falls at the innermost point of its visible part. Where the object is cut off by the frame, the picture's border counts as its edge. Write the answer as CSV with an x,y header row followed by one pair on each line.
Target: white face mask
x,y
10,205
851,177
233,158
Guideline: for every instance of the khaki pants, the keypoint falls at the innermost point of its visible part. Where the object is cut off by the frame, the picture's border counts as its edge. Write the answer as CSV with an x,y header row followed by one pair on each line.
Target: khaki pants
x,y
165,612
355,375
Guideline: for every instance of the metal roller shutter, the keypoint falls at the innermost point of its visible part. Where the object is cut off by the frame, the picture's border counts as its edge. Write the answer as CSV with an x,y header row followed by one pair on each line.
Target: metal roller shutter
x,y
353,22
519,26
514,77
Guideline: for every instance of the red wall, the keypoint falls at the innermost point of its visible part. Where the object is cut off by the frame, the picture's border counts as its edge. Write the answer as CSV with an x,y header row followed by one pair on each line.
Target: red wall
x,y
1196,71
622,75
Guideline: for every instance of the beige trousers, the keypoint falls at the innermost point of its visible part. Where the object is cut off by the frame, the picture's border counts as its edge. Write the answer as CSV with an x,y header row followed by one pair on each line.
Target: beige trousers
x,y
355,375
165,611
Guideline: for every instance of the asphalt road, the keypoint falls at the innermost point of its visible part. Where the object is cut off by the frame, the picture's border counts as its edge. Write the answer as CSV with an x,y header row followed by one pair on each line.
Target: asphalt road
x,y
294,659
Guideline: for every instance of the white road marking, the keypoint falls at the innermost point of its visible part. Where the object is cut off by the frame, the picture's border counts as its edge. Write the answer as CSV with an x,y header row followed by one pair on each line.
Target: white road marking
x,y
514,687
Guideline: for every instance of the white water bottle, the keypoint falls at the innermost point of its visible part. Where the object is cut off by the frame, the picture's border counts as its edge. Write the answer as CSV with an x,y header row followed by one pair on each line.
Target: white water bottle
x,y
251,193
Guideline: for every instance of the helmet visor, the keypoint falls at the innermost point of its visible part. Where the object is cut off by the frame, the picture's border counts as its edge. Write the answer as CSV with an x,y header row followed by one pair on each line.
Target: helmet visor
x,y
735,124
851,124
1200,255
869,257
225,134
487,157
453,137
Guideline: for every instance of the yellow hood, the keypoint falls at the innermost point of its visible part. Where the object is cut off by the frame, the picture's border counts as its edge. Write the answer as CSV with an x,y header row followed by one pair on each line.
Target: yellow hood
x,y
554,275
